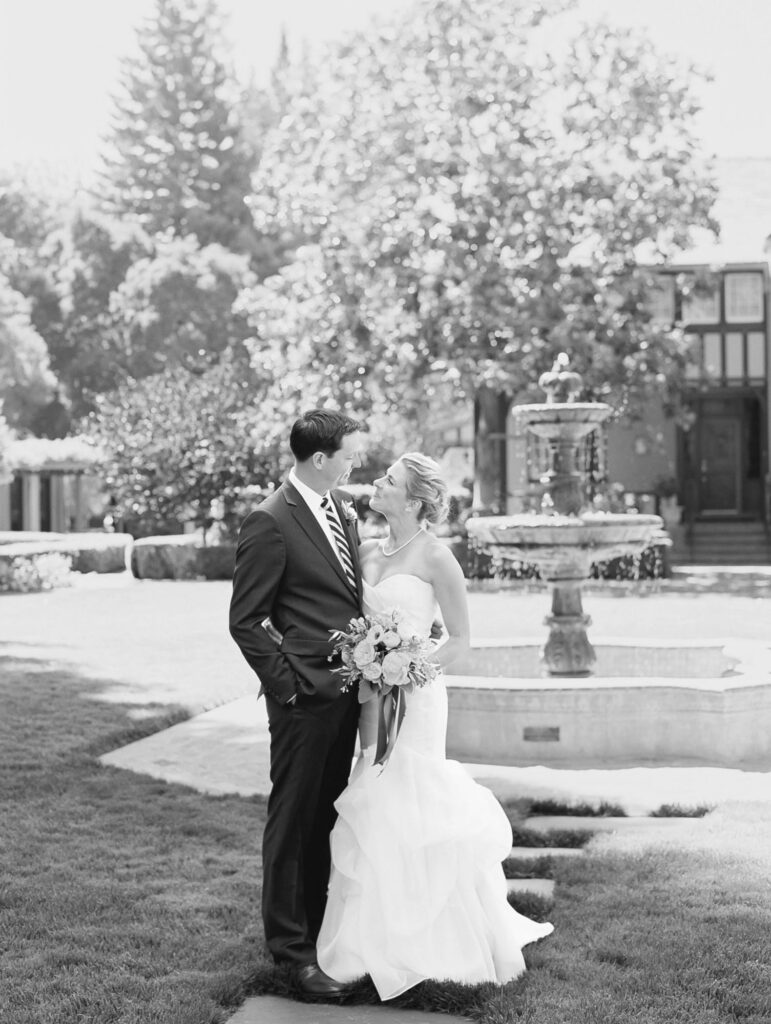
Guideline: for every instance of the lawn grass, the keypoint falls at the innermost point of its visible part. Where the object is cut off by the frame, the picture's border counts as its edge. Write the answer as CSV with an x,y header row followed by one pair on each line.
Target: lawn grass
x,y
575,838
124,900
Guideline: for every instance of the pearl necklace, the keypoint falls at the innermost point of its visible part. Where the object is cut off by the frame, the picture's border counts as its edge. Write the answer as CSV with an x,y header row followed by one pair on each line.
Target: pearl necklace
x,y
390,554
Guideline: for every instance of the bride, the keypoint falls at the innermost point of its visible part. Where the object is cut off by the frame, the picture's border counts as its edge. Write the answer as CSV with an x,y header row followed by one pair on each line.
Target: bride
x,y
417,890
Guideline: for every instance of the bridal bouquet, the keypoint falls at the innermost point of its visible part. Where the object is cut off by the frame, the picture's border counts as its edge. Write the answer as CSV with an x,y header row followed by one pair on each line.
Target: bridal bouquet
x,y
382,655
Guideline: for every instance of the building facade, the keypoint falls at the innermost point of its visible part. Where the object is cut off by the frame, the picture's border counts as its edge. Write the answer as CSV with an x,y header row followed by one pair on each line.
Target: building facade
x,y
709,470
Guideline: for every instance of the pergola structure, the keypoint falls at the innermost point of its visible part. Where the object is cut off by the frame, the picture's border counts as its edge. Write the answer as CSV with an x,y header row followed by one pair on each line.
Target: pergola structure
x,y
53,484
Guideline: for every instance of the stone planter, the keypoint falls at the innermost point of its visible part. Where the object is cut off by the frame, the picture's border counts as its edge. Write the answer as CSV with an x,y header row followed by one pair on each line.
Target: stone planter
x,y
181,557
88,552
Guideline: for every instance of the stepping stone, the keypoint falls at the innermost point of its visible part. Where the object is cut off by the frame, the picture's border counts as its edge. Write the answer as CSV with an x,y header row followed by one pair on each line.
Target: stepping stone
x,y
576,823
273,1010
543,887
529,852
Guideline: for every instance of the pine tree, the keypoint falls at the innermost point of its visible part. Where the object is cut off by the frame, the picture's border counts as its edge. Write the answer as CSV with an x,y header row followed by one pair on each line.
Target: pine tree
x,y
177,159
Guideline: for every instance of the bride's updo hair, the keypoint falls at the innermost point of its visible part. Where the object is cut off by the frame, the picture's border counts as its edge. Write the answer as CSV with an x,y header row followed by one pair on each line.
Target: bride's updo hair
x,y
426,485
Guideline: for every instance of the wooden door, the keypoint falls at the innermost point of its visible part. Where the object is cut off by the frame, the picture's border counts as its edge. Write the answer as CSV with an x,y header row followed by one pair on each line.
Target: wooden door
x,y
720,464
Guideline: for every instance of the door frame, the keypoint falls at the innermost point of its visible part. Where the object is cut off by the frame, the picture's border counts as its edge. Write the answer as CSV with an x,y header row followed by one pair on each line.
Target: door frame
x,y
701,458
750,493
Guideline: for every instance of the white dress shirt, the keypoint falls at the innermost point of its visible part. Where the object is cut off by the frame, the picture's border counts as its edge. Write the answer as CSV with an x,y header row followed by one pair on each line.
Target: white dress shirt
x,y
313,500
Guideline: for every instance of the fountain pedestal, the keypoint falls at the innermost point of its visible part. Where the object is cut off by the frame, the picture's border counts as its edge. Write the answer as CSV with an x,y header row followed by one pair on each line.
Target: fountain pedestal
x,y
567,651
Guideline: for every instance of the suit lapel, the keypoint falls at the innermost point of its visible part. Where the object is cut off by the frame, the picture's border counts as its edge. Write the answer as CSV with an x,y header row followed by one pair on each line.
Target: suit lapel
x,y
310,525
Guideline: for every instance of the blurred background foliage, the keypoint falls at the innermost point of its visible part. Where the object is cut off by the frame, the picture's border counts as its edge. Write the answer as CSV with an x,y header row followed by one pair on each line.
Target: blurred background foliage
x,y
426,215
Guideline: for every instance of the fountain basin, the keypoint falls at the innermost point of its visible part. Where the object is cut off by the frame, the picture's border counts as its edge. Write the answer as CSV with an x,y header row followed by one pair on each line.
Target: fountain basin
x,y
702,705
566,422
564,547
677,659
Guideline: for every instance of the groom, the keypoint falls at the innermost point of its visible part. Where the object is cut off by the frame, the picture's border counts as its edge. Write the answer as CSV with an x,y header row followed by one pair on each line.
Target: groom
x,y
297,565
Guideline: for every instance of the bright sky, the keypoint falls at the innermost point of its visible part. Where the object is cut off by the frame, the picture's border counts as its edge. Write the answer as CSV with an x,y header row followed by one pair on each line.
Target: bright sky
x,y
59,61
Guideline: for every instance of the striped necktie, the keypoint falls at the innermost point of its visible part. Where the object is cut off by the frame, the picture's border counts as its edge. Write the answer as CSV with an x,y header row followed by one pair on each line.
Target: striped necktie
x,y
341,541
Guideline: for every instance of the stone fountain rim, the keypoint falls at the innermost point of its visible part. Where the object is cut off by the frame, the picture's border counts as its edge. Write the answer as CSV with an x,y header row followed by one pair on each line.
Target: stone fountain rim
x,y
562,407
542,521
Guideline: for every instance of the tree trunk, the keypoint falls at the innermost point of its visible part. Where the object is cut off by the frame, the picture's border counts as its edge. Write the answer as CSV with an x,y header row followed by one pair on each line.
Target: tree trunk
x,y
490,408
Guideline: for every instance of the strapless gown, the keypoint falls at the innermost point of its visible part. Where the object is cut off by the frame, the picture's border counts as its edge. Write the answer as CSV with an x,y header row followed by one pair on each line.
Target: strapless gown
x,y
417,890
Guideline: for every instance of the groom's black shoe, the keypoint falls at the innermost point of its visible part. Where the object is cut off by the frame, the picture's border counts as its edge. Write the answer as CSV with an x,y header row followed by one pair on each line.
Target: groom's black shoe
x,y
313,982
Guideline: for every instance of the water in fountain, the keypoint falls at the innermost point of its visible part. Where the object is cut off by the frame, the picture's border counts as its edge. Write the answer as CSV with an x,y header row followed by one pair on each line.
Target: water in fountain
x,y
565,539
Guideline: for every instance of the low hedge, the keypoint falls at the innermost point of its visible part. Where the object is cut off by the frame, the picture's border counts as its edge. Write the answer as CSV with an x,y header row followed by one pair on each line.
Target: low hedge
x,y
181,557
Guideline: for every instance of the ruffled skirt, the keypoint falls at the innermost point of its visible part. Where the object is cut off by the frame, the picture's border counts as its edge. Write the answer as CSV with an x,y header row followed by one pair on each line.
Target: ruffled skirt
x,y
417,890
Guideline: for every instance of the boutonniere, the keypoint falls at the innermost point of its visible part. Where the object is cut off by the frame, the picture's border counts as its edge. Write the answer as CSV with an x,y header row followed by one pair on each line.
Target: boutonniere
x,y
349,511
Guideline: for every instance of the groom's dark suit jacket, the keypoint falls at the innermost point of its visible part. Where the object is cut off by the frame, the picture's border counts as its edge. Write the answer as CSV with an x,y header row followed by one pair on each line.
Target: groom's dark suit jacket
x,y
287,571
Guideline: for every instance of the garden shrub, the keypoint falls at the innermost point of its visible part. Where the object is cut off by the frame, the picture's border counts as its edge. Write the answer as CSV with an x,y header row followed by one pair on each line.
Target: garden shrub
x,y
34,571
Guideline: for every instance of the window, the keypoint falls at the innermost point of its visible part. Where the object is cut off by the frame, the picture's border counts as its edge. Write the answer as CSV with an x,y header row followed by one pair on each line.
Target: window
x,y
713,355
693,368
744,298
701,301
756,355
734,356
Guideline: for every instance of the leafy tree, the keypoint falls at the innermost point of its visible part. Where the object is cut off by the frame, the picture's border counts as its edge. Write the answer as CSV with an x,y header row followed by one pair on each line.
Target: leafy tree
x,y
130,305
26,380
31,209
178,441
176,157
90,257
485,209
175,306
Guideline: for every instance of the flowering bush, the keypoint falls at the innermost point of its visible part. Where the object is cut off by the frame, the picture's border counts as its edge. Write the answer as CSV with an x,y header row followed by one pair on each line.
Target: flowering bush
x,y
22,575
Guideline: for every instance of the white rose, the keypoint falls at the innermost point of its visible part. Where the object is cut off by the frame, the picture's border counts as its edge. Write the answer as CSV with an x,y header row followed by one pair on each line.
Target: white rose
x,y
371,672
363,653
395,668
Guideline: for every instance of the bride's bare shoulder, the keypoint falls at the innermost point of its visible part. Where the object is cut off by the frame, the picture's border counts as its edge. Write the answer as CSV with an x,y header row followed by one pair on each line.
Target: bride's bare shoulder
x,y
439,558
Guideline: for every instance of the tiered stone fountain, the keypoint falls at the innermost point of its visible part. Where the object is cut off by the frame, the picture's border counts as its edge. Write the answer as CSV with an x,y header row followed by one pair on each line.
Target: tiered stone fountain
x,y
565,539
628,703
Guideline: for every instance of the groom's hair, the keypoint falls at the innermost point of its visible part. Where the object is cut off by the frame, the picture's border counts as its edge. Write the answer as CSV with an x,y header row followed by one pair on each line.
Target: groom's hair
x,y
320,430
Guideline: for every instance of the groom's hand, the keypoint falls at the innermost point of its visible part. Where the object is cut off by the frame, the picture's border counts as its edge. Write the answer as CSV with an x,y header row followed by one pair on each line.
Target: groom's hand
x,y
437,630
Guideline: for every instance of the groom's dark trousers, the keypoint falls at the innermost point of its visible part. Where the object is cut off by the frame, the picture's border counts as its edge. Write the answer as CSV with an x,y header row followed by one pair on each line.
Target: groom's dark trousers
x,y
287,571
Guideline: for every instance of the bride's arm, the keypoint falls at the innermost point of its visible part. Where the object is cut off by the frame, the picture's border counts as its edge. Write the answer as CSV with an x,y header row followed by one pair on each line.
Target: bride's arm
x,y
450,589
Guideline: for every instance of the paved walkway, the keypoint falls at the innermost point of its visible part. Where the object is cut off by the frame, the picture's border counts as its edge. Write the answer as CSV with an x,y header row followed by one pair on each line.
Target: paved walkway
x,y
225,750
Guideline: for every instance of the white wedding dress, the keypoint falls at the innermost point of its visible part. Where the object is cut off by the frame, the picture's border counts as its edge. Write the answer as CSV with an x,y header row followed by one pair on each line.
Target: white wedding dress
x,y
417,890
